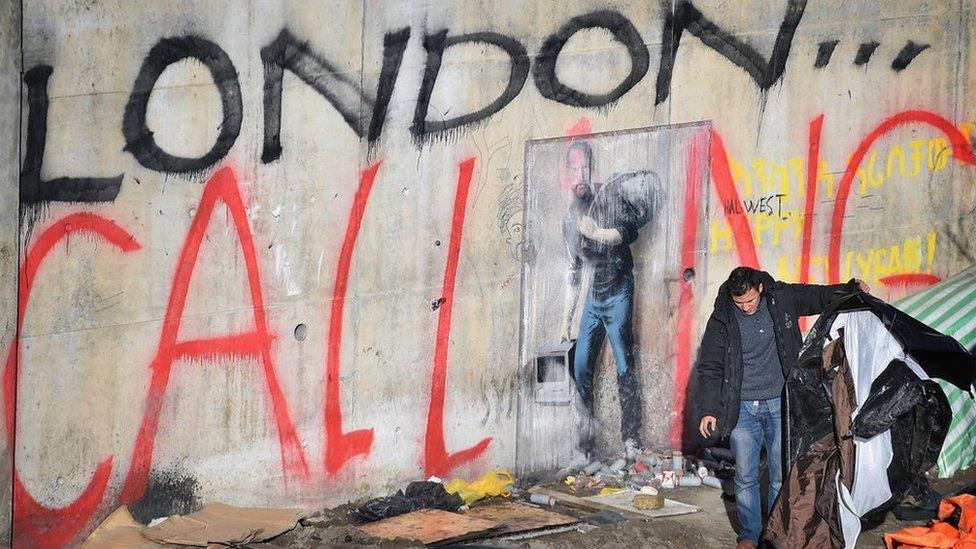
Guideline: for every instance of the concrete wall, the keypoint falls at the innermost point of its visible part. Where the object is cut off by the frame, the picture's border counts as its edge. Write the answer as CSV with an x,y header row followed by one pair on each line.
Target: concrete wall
x,y
9,158
182,238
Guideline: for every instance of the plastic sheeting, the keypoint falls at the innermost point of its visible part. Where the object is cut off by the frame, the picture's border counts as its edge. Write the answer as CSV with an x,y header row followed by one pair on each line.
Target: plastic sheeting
x,y
870,348
891,357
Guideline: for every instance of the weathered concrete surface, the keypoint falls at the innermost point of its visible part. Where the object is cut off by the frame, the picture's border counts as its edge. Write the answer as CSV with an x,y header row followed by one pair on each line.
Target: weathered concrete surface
x,y
109,403
9,169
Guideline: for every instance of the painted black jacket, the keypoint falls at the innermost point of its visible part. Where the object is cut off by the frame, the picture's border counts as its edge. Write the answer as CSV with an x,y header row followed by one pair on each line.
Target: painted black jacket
x,y
720,355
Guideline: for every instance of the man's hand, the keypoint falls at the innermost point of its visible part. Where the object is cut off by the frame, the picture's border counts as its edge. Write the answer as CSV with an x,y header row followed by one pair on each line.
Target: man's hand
x,y
863,285
707,426
591,230
587,226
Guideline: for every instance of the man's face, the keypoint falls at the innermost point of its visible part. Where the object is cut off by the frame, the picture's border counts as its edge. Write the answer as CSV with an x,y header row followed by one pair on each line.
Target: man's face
x,y
579,173
748,302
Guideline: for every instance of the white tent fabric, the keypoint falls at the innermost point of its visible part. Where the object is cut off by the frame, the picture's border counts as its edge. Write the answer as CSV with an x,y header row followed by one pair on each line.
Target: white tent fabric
x,y
870,348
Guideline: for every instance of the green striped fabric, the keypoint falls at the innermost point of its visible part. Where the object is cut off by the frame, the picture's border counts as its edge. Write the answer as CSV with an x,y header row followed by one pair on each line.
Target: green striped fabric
x,y
950,307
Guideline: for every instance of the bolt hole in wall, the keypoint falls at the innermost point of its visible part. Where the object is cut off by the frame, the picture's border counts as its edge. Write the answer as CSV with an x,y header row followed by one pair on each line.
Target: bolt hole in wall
x,y
301,332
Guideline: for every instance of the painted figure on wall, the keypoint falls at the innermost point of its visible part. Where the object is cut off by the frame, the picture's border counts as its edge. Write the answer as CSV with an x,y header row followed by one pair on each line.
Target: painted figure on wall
x,y
600,224
510,224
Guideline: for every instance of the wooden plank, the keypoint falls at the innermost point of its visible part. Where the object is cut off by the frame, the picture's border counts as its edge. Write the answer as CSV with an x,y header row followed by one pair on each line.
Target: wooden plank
x,y
580,503
624,501
519,517
429,526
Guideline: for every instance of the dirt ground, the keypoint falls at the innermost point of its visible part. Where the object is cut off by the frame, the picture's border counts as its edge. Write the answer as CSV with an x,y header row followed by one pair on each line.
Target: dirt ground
x,y
713,526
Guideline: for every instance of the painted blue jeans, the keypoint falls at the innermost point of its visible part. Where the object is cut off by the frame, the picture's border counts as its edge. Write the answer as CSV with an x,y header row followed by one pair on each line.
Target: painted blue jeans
x,y
759,425
612,317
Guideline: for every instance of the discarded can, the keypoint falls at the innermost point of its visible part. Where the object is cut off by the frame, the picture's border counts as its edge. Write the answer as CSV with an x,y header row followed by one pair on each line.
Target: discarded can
x,y
593,467
618,465
650,461
712,481
631,449
667,479
689,481
702,472
542,499
648,490
677,461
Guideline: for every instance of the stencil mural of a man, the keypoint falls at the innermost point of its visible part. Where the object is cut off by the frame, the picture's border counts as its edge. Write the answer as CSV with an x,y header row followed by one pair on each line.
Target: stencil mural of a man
x,y
600,224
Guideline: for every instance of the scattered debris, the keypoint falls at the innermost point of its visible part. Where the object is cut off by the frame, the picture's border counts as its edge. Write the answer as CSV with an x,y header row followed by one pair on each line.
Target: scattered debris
x,y
712,482
635,469
593,467
418,495
542,499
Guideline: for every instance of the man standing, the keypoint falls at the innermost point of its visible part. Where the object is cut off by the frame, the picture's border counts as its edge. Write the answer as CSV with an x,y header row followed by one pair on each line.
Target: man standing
x,y
598,228
751,342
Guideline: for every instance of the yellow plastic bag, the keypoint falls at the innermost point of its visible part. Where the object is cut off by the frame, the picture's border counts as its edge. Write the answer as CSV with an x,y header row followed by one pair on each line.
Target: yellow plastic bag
x,y
495,483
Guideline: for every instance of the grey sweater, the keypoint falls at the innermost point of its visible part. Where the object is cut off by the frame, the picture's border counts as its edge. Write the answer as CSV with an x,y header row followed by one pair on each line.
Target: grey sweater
x,y
762,373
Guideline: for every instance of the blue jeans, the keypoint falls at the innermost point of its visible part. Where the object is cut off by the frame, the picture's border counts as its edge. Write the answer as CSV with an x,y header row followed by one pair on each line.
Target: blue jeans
x,y
759,425
610,316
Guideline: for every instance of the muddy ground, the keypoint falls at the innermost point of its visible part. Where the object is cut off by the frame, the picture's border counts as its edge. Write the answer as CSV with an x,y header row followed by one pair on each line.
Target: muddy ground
x,y
713,526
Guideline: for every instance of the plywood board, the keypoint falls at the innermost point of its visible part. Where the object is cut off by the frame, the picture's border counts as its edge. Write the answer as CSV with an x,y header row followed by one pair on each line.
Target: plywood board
x,y
624,500
430,526
519,517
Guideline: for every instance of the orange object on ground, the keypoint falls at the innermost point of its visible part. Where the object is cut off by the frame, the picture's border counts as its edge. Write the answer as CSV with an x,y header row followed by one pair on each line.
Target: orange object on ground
x,y
954,529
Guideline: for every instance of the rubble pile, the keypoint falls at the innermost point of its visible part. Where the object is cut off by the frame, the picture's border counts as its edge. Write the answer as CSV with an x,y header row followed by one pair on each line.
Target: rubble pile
x,y
648,471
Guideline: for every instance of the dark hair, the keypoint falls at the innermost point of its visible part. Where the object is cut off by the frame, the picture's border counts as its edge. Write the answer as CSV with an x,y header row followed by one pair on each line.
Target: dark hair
x,y
577,145
743,279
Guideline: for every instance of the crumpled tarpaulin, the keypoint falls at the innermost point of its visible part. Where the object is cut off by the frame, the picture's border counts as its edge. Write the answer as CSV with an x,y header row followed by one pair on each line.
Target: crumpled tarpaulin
x,y
955,528
861,382
418,495
491,484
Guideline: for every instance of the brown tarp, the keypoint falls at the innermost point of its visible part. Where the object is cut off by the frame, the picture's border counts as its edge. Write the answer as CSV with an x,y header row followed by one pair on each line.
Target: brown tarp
x,y
806,513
